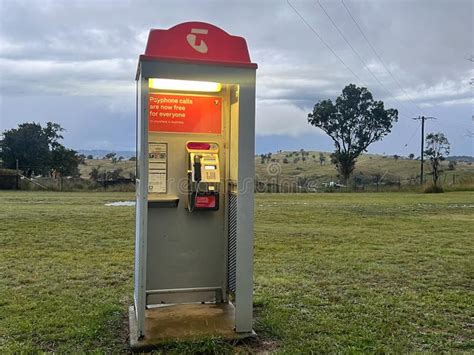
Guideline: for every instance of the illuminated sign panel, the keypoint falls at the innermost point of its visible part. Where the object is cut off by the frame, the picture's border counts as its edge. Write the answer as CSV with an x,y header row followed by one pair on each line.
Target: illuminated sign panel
x,y
184,113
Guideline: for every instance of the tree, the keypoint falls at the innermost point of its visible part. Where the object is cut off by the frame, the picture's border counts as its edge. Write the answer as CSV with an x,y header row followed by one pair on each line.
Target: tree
x,y
95,173
133,159
452,165
109,156
396,156
302,181
114,174
28,144
37,148
53,132
90,157
411,156
82,159
65,161
322,159
377,178
437,149
354,122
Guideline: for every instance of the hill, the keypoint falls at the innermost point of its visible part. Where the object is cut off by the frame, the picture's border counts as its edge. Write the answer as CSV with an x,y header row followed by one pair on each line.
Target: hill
x,y
127,167
461,158
288,169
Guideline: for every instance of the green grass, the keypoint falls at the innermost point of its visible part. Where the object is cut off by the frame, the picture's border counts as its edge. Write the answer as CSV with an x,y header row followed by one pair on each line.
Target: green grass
x,y
333,273
361,272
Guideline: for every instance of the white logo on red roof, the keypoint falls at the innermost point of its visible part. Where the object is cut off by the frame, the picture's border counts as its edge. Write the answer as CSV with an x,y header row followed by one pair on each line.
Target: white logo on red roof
x,y
192,39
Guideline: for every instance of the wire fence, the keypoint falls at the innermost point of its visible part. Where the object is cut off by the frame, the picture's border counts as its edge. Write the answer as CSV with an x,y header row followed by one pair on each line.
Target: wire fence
x,y
271,182
358,183
22,182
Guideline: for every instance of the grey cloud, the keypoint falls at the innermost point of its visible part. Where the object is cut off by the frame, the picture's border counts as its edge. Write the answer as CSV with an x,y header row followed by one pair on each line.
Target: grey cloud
x,y
89,49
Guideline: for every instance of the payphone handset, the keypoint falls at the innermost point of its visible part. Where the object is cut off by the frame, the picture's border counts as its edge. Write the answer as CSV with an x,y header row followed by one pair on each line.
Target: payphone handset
x,y
203,176
205,167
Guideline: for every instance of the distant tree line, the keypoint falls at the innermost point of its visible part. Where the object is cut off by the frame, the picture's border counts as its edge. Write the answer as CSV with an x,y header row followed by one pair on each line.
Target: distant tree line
x,y
111,156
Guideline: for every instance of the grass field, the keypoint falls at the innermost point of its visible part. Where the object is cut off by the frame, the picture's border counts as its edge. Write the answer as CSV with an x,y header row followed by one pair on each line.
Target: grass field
x,y
333,273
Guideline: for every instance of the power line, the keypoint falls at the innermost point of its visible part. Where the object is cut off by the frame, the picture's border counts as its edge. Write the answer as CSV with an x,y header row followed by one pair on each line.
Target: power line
x,y
378,56
328,46
411,137
322,40
359,56
453,125
452,122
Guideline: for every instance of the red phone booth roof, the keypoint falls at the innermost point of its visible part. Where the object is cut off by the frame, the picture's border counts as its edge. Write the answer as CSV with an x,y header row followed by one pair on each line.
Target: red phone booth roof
x,y
197,42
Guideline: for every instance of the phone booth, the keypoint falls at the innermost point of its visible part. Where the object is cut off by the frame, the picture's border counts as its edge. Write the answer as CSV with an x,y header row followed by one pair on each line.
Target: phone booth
x,y
195,185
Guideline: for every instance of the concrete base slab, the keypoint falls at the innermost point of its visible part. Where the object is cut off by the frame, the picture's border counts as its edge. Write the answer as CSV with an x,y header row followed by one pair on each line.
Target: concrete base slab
x,y
180,322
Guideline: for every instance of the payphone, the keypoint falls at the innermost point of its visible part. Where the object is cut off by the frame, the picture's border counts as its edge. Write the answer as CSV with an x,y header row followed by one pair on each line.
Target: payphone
x,y
204,176
195,184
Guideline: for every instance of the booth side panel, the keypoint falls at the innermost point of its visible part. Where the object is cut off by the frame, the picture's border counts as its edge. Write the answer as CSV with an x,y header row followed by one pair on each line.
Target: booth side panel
x,y
138,206
232,190
245,208
141,206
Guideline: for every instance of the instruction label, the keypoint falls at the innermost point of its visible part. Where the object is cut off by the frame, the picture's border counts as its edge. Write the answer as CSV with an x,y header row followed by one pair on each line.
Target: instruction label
x,y
157,167
184,113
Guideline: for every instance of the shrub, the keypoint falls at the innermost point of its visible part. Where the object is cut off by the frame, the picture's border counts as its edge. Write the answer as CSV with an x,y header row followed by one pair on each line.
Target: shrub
x,y
433,189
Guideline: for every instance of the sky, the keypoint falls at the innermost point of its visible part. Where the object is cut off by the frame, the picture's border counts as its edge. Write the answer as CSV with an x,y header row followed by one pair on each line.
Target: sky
x,y
74,62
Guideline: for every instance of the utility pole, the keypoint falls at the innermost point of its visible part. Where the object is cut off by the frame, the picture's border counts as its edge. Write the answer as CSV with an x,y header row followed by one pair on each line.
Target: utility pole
x,y
422,119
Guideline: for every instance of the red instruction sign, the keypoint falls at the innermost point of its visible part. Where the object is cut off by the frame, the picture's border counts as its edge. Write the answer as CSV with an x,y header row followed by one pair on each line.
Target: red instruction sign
x,y
184,113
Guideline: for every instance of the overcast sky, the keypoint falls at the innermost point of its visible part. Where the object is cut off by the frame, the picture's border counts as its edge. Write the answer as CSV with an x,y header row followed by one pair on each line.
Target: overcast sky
x,y
73,62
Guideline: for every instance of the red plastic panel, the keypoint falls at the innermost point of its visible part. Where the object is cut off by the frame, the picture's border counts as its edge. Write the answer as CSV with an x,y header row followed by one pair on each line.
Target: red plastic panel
x,y
205,201
198,41
184,113
198,146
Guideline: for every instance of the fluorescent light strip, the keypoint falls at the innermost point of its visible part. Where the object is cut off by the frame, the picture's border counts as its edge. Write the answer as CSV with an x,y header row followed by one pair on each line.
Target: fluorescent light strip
x,y
184,85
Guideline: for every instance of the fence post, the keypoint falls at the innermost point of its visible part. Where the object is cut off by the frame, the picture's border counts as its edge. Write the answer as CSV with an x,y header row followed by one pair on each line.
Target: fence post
x,y
17,183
